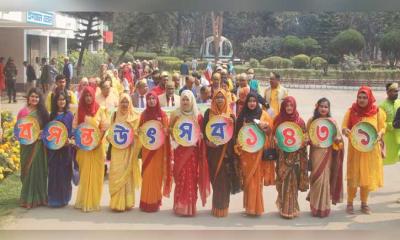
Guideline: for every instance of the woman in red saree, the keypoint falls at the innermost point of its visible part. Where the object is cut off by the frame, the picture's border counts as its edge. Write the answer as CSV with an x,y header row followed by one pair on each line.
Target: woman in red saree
x,y
326,181
291,168
156,167
190,163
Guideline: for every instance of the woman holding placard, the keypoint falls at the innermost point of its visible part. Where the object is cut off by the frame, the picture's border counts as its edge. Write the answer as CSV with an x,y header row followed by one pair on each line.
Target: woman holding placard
x,y
60,159
33,154
190,163
252,129
156,155
90,158
124,174
218,129
292,164
364,125
326,156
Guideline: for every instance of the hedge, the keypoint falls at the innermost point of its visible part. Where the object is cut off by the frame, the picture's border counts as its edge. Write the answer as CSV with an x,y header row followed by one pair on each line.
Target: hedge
x,y
276,62
144,55
332,74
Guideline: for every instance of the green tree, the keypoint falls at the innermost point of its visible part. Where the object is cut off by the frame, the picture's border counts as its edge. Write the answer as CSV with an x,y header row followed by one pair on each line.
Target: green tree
x,y
87,32
390,46
292,45
261,47
348,42
311,46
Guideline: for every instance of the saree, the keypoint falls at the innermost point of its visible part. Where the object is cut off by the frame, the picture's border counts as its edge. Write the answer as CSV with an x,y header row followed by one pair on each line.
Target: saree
x,y
291,168
60,168
224,177
190,173
326,179
33,169
124,176
91,166
156,166
255,173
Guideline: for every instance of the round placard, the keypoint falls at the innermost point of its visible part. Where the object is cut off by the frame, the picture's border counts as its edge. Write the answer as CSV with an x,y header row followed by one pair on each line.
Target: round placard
x,y
151,135
27,130
55,135
363,137
186,131
322,132
120,135
290,136
219,130
87,136
251,138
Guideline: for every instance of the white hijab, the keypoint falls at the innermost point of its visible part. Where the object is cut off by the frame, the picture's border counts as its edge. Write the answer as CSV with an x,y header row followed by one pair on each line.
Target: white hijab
x,y
194,110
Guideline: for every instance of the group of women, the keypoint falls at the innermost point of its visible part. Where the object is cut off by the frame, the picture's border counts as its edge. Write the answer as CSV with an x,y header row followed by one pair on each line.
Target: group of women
x,y
228,168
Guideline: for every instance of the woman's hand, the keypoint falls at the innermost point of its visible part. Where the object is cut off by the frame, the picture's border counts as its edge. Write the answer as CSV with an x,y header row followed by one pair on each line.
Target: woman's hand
x,y
346,132
211,144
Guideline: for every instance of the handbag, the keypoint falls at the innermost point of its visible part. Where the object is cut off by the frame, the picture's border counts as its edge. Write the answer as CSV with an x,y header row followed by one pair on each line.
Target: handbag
x,y
270,154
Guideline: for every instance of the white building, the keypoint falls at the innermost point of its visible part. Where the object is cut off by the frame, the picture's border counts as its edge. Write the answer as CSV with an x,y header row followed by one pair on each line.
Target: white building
x,y
27,35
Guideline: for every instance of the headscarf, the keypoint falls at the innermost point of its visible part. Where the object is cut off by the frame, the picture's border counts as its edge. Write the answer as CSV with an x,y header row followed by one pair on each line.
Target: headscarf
x,y
152,113
247,114
283,116
357,112
194,110
83,108
130,115
225,109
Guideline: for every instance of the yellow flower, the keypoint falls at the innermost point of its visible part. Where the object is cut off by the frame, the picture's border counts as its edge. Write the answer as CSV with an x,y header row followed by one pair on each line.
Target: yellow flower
x,y
1,176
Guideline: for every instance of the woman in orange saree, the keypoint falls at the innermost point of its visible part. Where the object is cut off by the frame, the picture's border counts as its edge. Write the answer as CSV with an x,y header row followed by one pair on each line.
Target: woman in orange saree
x,y
156,166
252,167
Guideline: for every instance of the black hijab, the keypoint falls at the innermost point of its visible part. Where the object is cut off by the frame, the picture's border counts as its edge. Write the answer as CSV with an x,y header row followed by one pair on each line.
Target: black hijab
x,y
248,115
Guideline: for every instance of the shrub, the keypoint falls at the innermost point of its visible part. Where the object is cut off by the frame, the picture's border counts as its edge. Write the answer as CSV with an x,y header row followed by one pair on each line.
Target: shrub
x,y
254,63
350,63
301,61
144,55
272,62
318,63
170,65
286,63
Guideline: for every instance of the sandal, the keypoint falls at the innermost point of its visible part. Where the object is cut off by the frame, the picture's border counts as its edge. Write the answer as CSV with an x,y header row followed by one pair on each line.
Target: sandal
x,y
365,209
350,209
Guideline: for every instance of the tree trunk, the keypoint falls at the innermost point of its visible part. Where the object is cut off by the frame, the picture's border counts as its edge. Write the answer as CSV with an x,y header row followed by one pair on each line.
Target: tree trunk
x,y
124,51
84,45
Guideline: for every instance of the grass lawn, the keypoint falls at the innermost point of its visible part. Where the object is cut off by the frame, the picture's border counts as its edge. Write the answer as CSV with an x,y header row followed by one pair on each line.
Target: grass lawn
x,y
10,189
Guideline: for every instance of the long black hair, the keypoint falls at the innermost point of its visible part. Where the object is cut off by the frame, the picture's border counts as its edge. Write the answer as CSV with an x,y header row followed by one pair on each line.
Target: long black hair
x,y
41,108
316,112
54,105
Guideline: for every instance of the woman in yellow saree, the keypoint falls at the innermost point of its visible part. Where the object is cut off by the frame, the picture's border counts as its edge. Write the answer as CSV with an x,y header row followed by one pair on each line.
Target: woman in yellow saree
x,y
91,163
124,174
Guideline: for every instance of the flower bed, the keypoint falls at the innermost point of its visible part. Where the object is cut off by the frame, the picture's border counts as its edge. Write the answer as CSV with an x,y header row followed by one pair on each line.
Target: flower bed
x,y
9,147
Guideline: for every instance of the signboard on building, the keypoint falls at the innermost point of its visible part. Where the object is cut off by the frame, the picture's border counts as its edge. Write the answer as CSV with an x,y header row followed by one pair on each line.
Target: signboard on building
x,y
108,36
42,18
